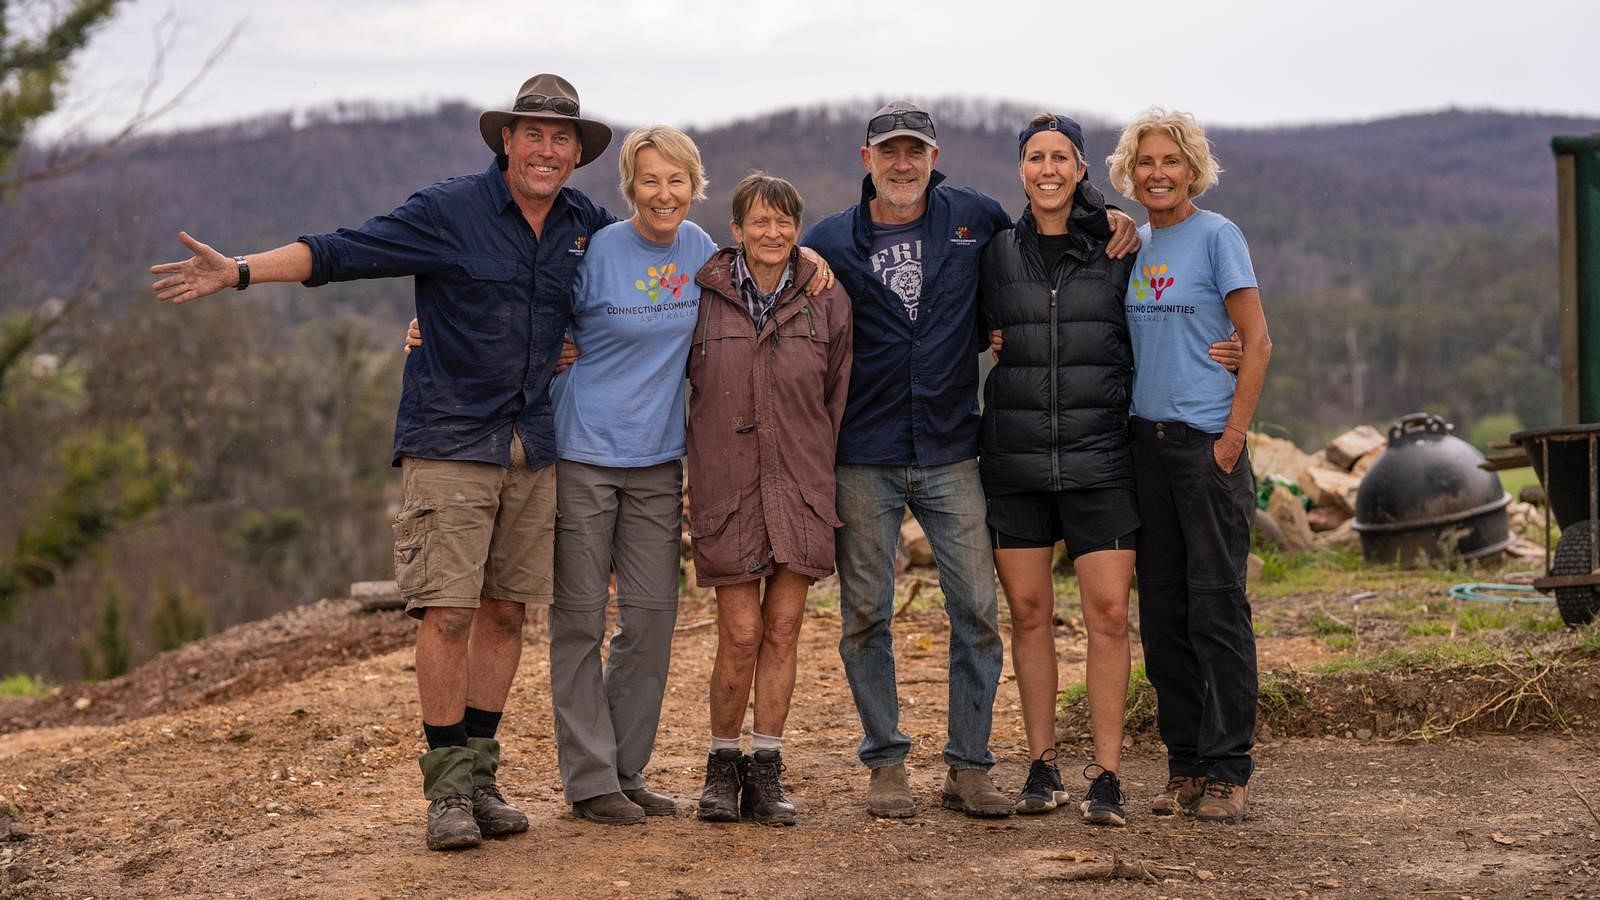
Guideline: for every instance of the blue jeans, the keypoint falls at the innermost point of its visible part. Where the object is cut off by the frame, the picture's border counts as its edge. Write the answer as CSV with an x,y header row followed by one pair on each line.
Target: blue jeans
x,y
948,502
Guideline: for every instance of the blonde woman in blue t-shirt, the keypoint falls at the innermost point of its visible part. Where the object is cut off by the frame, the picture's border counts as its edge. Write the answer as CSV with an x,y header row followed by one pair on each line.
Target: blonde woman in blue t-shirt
x,y
1191,285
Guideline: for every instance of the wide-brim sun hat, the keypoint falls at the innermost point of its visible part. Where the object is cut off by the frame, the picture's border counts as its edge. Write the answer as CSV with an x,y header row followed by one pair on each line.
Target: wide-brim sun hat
x,y
552,97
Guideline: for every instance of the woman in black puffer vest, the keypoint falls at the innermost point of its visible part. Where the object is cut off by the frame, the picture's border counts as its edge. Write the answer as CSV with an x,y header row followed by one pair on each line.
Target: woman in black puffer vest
x,y
1054,453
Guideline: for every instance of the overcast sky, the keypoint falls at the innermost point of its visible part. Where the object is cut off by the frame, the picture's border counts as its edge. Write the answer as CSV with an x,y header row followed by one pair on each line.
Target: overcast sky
x,y
704,62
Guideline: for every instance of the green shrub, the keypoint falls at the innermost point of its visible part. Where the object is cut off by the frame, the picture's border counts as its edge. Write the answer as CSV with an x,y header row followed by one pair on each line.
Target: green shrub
x,y
24,685
177,619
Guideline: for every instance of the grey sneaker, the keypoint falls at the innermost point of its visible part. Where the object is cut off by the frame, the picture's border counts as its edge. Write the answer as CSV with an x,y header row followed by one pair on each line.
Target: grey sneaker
x,y
1042,792
971,791
1102,805
889,793
450,824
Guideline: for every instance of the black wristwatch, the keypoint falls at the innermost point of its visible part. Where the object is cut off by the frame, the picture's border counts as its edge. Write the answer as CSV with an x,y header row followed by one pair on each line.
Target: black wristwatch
x,y
244,273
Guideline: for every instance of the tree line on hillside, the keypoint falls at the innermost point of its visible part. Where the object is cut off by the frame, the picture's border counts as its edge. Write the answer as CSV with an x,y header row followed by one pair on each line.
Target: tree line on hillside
x,y
171,471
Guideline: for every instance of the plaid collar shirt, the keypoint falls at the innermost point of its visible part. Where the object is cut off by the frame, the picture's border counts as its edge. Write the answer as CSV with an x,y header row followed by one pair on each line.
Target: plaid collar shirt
x,y
759,304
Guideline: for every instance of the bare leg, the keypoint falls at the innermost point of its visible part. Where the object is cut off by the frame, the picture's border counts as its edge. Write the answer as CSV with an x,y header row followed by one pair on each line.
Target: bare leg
x,y
493,652
1103,581
1030,594
442,664
782,612
739,628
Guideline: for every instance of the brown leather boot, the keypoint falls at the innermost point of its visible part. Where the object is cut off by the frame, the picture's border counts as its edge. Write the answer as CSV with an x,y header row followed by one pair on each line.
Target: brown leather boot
x,y
971,791
1222,802
1182,792
719,801
609,809
489,807
652,803
447,783
763,799
889,793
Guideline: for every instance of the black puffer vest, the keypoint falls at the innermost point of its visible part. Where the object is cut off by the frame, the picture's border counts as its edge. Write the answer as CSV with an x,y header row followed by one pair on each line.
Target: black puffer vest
x,y
1055,411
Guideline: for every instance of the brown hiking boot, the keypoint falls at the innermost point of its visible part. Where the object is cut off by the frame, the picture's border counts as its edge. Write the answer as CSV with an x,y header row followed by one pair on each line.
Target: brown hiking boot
x,y
451,825
494,815
609,809
763,800
1222,802
652,803
447,783
889,793
972,792
719,802
1182,792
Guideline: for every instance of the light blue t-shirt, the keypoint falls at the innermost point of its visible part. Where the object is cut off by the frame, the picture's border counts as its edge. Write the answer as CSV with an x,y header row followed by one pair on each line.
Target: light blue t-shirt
x,y
1176,311
634,305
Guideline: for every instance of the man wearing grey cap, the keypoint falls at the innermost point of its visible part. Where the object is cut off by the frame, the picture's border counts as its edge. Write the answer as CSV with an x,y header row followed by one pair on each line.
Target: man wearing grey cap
x,y
908,256
493,257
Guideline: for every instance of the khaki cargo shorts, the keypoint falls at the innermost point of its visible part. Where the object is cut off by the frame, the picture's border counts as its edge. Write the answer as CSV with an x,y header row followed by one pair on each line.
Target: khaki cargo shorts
x,y
474,530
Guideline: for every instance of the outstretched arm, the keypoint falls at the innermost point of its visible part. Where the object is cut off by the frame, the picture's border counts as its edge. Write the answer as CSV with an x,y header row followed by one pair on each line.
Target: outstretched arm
x,y
208,271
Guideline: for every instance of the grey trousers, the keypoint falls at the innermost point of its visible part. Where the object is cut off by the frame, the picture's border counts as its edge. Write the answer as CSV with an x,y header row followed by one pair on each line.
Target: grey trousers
x,y
625,521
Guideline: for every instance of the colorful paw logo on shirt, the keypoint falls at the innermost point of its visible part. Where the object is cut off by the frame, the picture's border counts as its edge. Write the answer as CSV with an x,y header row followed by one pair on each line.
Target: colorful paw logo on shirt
x,y
662,278
1155,281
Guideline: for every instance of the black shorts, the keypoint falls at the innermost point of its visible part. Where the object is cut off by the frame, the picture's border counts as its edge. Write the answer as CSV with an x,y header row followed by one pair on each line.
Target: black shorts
x,y
1088,520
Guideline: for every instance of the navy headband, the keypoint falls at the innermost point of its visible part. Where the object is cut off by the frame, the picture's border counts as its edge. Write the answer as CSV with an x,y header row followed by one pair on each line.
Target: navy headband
x,y
1063,124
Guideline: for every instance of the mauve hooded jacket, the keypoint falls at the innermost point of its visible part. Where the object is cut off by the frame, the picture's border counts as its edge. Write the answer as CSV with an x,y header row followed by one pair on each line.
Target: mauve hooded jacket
x,y
764,413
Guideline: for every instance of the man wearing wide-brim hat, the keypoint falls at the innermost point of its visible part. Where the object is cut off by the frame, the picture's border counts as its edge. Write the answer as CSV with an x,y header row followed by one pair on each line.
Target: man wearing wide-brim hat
x,y
493,257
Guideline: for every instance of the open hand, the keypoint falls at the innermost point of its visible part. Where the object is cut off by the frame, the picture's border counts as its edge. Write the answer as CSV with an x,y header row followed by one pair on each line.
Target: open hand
x,y
201,275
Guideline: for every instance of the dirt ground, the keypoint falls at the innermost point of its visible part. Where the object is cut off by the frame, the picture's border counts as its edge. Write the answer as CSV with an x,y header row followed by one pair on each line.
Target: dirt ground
x,y
279,759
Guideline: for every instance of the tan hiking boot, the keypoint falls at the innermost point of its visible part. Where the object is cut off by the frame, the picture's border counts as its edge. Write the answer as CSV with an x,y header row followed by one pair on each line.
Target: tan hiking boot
x,y
971,791
889,793
493,814
447,783
1222,802
1182,792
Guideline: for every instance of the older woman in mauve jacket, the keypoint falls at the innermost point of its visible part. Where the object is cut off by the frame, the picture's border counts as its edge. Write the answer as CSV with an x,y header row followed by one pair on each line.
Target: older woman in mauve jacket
x,y
768,373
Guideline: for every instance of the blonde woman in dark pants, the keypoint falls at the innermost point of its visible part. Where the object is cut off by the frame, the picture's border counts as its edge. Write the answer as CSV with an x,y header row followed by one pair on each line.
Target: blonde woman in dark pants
x,y
1192,283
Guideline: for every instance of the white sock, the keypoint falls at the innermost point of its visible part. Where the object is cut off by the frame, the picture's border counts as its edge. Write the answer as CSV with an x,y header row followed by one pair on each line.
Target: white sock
x,y
759,741
718,743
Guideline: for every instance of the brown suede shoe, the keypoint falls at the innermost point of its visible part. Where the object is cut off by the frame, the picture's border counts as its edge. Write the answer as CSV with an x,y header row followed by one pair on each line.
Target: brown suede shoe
x,y
1182,792
889,793
972,792
1222,802
450,824
609,809
652,803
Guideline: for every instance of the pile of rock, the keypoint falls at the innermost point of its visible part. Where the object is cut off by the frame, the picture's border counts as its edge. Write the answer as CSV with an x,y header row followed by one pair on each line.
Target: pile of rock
x,y
1329,478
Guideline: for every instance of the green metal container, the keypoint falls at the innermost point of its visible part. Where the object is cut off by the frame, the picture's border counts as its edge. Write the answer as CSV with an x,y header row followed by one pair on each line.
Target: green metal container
x,y
1578,208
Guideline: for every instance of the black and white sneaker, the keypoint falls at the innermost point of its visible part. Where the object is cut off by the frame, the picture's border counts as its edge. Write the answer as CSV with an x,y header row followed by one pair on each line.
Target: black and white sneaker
x,y
1102,805
1043,791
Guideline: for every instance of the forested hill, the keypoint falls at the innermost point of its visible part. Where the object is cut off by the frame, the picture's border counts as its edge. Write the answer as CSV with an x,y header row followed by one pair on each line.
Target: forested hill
x,y
1411,258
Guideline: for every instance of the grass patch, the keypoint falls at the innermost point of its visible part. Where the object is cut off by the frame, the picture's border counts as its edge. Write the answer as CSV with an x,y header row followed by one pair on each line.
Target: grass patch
x,y
1514,480
1277,695
1546,622
1428,628
23,685
1483,617
1590,643
1263,629
1323,625
1141,706
1073,694
1430,655
1339,642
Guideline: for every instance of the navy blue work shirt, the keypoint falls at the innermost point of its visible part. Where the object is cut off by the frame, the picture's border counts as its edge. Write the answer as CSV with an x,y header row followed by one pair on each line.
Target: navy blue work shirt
x,y
492,300
913,383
